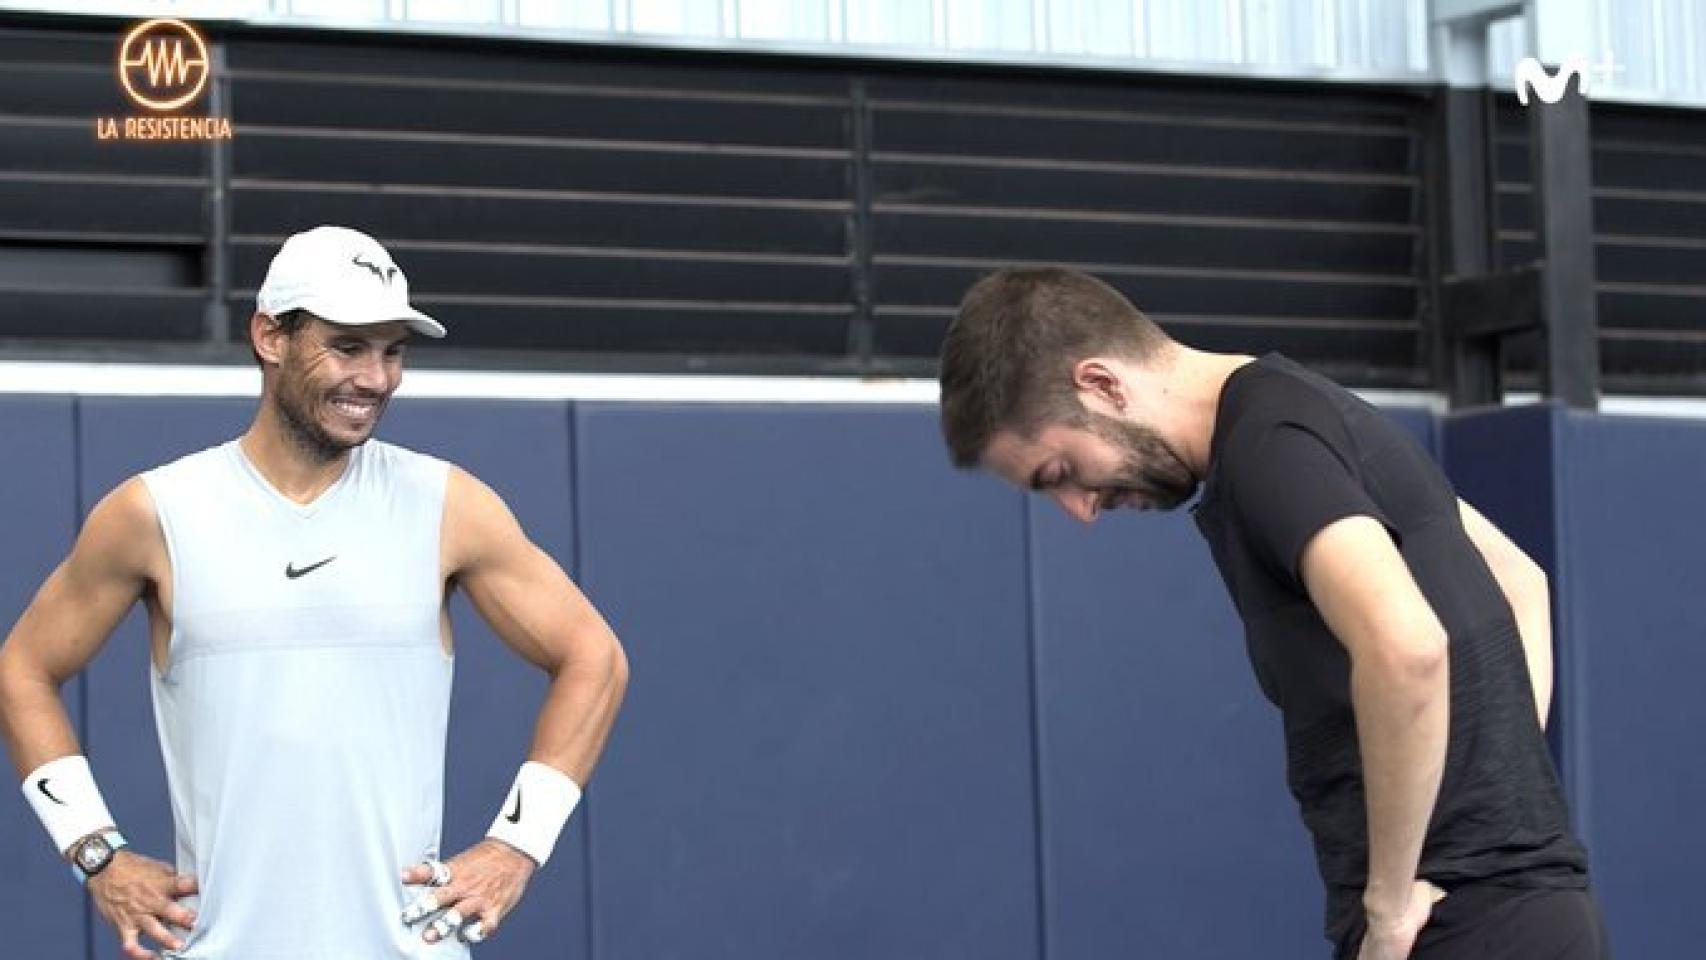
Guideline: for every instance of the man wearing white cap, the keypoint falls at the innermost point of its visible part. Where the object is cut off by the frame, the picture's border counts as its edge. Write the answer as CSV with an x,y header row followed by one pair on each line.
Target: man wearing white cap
x,y
295,581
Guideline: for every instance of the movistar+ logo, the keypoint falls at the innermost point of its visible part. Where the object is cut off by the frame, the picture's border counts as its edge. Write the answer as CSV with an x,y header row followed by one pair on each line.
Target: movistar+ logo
x,y
1532,79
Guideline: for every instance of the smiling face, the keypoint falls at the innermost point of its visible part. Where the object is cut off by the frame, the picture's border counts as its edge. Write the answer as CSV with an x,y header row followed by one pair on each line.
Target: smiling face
x,y
1104,464
332,382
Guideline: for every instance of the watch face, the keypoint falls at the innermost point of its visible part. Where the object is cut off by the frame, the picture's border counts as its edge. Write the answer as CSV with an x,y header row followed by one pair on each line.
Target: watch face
x,y
94,854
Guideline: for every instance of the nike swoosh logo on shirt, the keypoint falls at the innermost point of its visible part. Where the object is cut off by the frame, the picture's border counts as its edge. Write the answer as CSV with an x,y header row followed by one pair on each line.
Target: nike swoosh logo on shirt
x,y
42,786
515,817
291,572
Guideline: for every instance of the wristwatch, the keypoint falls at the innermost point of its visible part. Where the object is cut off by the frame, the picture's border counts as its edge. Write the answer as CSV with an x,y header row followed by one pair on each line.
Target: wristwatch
x,y
92,854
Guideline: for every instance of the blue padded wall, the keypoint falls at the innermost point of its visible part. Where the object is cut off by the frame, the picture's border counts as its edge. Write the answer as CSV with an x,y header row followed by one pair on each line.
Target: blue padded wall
x,y
520,450
1168,827
119,438
831,746
1633,523
41,909
1421,424
827,750
1502,462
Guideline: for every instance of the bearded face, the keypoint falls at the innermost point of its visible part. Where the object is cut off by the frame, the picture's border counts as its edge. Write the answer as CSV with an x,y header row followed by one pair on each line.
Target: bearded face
x,y
1150,476
1094,463
334,383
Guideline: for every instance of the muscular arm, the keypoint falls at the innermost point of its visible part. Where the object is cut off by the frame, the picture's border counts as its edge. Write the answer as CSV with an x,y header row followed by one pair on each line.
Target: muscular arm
x,y
118,558
1399,689
538,612
69,620
1525,587
535,609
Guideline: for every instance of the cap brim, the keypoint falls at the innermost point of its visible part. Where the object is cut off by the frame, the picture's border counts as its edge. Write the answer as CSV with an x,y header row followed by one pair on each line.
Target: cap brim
x,y
423,324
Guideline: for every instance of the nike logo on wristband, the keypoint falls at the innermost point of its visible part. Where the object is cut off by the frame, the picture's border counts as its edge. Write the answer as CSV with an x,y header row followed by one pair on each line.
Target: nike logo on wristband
x,y
292,573
516,816
42,786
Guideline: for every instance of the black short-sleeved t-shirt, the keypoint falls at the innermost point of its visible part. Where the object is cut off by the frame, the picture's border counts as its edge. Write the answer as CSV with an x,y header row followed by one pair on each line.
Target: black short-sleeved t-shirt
x,y
1293,452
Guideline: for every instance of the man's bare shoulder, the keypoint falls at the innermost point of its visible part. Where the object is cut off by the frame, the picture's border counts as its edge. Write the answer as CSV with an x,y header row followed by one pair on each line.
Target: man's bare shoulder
x,y
478,523
121,536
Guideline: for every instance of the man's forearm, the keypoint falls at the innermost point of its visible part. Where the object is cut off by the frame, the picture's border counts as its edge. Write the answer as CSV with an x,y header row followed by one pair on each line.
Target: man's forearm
x,y
32,717
1402,705
580,707
43,746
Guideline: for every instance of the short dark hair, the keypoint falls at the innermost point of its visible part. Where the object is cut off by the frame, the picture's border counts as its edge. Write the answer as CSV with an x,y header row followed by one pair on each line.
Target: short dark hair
x,y
1008,357
290,321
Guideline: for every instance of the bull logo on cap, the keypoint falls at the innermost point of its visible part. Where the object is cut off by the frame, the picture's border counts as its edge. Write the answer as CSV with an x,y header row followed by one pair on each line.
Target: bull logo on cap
x,y
384,275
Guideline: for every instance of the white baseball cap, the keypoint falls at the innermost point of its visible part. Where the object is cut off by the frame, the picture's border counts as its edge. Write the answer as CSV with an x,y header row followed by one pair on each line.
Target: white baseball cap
x,y
342,276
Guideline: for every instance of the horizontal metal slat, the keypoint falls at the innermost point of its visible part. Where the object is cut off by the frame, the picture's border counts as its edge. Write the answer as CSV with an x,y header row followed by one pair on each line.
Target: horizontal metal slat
x,y
550,64
71,92
1675,312
283,156
665,223
27,45
1156,292
1273,196
71,147
72,208
1203,101
1079,237
316,102
623,329
92,314
1647,366
951,133
629,276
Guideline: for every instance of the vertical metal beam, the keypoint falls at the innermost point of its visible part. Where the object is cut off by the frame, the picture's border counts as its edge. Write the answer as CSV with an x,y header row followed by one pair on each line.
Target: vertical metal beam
x,y
216,260
1562,164
861,330
1470,367
1461,167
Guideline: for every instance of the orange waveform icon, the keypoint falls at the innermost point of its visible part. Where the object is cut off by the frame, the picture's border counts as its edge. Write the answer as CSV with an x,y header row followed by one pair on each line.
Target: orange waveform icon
x,y
171,56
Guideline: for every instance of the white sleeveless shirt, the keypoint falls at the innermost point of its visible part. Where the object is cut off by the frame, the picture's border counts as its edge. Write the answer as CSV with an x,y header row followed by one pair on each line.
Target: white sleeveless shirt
x,y
303,707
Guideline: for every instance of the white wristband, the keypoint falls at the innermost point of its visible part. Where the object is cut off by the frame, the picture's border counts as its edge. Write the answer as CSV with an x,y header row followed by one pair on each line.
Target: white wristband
x,y
538,806
64,796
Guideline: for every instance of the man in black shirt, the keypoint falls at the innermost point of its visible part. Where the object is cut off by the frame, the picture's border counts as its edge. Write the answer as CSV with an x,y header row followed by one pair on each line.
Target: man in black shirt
x,y
1405,640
